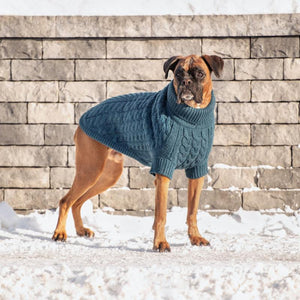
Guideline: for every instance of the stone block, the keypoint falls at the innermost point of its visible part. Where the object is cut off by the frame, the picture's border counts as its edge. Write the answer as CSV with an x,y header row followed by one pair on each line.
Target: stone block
x,y
271,199
226,25
146,26
226,135
140,178
122,199
216,199
228,71
246,69
227,47
32,156
81,91
241,113
223,200
103,26
13,112
27,26
71,156
274,47
296,156
251,156
119,69
275,91
42,70
25,91
67,49
123,180
232,91
24,177
27,199
21,134
50,113
152,48
292,68
116,88
60,134
75,26
61,177
227,178
1,195
81,108
276,134
279,178
179,180
4,69
21,49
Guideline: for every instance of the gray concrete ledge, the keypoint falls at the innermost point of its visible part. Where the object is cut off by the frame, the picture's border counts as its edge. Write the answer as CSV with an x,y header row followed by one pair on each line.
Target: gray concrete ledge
x,y
149,26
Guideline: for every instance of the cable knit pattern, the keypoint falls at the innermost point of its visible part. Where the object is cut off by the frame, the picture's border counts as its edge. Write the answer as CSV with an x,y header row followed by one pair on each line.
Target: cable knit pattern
x,y
153,129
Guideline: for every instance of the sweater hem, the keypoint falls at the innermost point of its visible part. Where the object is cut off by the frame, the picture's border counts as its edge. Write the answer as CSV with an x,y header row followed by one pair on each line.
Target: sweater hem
x,y
163,166
107,142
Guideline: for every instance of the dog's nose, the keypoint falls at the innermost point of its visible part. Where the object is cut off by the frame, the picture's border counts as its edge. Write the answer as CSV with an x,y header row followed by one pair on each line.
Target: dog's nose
x,y
187,82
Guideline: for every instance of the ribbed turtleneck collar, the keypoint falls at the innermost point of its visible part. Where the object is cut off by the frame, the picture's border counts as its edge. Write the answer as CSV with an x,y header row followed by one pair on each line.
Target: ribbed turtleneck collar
x,y
195,116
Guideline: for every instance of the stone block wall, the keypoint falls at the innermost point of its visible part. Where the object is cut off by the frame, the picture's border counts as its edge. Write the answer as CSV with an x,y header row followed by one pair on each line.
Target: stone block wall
x,y
52,69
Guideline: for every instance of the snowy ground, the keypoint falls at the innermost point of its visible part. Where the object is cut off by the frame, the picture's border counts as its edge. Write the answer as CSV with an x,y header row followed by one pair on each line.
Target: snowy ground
x,y
252,256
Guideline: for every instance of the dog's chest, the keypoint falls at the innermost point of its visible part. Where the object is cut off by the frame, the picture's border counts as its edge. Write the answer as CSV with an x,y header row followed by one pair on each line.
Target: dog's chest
x,y
188,146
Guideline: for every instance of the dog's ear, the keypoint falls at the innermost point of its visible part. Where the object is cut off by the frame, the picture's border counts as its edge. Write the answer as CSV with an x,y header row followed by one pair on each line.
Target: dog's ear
x,y
214,63
171,64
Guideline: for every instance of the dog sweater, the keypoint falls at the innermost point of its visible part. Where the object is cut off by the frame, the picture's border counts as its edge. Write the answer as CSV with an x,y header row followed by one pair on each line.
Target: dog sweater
x,y
155,130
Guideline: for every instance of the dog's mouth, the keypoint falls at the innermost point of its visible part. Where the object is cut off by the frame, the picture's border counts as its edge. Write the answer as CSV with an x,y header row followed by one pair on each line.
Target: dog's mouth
x,y
186,96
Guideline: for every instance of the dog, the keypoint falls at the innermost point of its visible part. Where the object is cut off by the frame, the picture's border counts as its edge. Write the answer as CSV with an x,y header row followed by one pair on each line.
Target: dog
x,y
99,164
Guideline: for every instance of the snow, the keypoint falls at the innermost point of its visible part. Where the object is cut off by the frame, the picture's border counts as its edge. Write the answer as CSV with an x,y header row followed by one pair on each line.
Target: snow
x,y
224,166
251,189
147,7
252,256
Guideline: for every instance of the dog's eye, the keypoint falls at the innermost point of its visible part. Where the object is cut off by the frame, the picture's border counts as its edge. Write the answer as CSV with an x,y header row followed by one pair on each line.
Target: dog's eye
x,y
200,74
178,75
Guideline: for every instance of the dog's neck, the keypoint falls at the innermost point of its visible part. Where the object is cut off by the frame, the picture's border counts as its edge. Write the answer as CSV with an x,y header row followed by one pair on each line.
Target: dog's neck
x,y
206,97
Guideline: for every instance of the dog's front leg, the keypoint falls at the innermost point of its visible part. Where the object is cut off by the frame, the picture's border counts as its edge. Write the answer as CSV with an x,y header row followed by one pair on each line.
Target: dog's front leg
x,y
161,199
194,191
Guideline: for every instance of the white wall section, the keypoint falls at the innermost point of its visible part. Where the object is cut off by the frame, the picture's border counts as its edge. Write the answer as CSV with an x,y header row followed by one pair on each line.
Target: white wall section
x,y
147,7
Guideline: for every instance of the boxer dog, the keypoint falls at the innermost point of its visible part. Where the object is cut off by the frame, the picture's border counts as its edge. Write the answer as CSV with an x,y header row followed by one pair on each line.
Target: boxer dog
x,y
99,167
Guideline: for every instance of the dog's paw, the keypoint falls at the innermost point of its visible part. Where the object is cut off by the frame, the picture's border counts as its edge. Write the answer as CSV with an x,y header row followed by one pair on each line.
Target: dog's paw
x,y
162,246
85,232
59,236
199,241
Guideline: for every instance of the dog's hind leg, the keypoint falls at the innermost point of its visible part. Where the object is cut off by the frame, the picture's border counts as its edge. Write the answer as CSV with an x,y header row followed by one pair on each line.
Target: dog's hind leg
x,y
90,161
111,173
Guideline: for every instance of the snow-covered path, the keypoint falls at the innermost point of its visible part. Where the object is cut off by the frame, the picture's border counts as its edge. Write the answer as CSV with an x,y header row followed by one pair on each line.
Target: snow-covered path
x,y
252,256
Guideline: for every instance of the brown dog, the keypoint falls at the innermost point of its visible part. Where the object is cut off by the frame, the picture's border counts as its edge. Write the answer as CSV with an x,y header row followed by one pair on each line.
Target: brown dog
x,y
99,167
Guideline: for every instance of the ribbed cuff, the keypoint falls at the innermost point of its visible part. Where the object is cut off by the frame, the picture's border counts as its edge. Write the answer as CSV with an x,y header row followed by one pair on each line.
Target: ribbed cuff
x,y
197,171
163,166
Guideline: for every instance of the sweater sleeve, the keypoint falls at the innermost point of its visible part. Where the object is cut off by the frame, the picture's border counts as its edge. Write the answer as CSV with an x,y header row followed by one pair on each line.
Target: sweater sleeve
x,y
197,171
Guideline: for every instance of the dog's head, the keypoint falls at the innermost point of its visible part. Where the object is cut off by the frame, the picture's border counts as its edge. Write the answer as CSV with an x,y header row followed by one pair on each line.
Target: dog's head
x,y
192,77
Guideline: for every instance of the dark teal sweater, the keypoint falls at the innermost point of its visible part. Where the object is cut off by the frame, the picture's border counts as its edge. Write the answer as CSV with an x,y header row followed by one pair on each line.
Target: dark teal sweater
x,y
153,129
